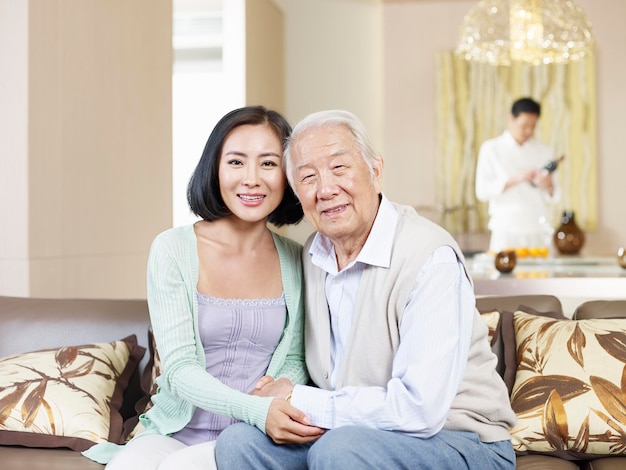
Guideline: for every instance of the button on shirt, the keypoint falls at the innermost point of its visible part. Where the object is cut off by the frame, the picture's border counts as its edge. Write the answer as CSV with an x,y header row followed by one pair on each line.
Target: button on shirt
x,y
434,336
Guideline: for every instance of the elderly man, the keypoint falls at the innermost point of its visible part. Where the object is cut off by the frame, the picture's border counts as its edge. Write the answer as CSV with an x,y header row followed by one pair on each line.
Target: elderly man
x,y
403,371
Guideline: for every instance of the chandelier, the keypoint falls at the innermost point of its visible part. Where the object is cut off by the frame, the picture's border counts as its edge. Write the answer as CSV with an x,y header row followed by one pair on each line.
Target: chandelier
x,y
533,31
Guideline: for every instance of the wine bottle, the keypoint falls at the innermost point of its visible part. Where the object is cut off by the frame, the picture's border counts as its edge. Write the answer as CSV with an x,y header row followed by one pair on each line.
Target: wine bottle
x,y
553,164
549,168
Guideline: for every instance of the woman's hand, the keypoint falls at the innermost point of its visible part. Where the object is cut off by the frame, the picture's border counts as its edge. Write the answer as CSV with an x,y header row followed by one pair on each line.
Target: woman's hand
x,y
286,424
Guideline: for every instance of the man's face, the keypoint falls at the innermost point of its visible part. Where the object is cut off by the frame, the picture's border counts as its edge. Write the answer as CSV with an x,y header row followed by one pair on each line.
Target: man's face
x,y
523,126
339,194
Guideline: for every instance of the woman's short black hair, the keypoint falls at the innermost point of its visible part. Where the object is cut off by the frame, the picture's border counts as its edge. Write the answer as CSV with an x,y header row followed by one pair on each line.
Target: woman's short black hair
x,y
203,191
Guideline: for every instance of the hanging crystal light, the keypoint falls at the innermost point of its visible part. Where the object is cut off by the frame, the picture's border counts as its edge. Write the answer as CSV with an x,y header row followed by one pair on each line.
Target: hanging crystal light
x,y
533,31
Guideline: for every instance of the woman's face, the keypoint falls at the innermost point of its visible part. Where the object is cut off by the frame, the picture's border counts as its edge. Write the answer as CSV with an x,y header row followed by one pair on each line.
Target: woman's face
x,y
252,181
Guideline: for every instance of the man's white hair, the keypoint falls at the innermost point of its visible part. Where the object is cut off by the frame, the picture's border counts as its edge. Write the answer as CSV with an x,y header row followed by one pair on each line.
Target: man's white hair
x,y
332,117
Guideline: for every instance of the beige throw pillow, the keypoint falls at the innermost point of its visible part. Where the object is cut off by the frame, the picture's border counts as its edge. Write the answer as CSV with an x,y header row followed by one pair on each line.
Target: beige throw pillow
x,y
66,397
492,320
570,387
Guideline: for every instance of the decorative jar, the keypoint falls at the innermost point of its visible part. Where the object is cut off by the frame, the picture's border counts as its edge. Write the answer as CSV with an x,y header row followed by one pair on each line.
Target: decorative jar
x,y
505,261
621,257
568,237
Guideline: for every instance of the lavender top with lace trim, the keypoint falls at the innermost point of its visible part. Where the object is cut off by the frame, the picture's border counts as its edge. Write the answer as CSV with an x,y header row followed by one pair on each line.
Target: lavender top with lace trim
x,y
239,337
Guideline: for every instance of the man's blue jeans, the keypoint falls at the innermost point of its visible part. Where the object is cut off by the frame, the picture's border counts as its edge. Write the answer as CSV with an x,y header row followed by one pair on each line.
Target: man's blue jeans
x,y
242,446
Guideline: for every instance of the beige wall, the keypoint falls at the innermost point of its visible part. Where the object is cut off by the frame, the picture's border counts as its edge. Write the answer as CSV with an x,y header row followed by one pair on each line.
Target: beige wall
x,y
415,31
13,147
85,126
265,56
333,60
88,145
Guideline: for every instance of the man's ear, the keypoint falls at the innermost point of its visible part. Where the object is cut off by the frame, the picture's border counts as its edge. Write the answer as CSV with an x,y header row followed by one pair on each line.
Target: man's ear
x,y
378,173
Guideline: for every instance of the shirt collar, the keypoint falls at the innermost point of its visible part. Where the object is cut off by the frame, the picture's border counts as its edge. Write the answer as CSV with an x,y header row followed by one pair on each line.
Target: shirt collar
x,y
509,137
511,140
377,248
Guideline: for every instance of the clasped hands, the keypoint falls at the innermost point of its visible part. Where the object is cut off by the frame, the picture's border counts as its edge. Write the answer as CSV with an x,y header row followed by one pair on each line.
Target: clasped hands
x,y
284,423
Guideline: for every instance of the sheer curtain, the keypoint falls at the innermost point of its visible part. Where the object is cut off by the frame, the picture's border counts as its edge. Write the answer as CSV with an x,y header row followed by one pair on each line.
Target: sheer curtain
x,y
473,102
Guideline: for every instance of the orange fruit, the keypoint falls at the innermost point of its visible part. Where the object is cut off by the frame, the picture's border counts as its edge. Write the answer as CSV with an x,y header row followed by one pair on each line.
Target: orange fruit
x,y
521,252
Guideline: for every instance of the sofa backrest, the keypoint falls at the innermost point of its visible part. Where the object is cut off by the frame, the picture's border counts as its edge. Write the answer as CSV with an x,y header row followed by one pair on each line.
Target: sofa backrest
x,y
29,324
600,309
511,303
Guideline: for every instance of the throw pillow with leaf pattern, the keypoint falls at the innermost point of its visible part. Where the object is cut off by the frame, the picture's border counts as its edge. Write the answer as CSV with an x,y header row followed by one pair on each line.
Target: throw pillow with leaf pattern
x,y
570,387
66,397
492,320
148,383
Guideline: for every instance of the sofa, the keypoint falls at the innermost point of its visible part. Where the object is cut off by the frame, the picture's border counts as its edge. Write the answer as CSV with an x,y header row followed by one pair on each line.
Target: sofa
x,y
566,379
116,330
75,334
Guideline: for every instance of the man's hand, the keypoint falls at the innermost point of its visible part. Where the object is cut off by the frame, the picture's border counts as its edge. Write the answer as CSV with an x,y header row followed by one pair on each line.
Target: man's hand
x,y
268,387
286,424
527,176
543,179
266,379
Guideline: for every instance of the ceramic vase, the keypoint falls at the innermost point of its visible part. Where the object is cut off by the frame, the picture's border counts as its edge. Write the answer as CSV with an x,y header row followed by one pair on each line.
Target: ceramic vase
x,y
505,261
621,257
568,237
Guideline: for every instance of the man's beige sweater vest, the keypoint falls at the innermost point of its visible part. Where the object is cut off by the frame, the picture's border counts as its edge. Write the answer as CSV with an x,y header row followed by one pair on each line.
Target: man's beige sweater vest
x,y
481,404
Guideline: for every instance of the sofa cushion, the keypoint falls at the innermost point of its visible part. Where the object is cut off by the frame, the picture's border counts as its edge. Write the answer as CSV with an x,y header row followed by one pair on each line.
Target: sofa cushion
x,y
68,396
492,320
508,337
544,462
24,458
506,305
570,388
607,463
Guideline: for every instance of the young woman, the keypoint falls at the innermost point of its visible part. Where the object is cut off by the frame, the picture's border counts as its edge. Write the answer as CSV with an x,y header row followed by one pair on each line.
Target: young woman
x,y
225,298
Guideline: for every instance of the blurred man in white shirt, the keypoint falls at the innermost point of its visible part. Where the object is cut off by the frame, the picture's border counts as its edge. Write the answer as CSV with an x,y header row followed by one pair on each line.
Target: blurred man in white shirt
x,y
510,175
